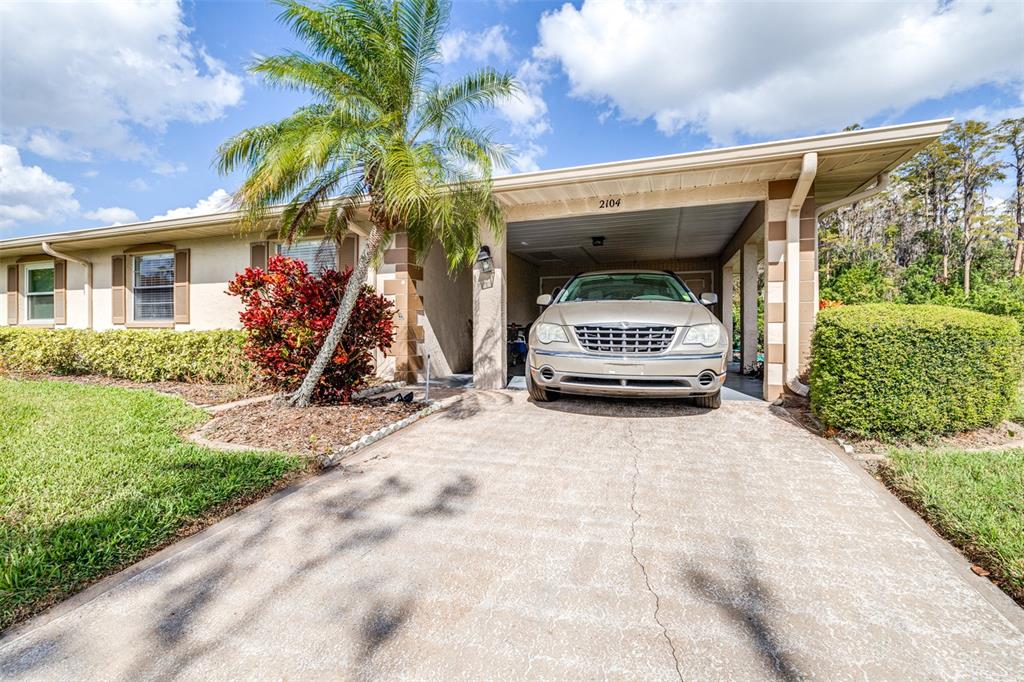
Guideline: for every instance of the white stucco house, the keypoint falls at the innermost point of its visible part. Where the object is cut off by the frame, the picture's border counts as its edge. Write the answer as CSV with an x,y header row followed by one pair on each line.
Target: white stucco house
x,y
711,216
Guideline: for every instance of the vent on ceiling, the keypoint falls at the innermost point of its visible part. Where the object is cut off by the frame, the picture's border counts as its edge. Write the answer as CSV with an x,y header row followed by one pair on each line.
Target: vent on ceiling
x,y
544,256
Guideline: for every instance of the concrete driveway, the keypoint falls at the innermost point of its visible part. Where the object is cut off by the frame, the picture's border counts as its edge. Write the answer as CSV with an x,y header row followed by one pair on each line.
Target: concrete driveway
x,y
581,540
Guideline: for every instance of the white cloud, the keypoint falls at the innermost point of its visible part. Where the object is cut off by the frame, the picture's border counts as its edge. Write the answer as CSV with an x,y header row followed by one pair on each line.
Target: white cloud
x,y
217,202
91,173
30,195
168,169
139,185
525,158
526,111
115,215
772,68
89,76
479,47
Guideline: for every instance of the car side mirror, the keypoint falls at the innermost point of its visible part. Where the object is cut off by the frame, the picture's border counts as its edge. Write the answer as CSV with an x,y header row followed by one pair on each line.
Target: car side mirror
x,y
709,299
544,299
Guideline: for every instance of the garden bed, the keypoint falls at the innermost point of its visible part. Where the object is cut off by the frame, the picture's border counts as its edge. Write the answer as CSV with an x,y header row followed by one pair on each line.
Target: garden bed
x,y
199,394
314,430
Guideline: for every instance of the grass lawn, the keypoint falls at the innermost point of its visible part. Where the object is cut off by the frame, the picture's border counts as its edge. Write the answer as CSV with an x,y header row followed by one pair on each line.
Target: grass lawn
x,y
92,478
975,499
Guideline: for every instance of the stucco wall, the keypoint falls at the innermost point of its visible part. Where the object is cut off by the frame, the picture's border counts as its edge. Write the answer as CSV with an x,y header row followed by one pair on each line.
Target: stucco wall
x,y
523,286
214,261
446,316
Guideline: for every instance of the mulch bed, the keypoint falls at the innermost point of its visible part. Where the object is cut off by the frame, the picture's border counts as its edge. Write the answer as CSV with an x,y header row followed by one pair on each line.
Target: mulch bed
x,y
310,430
1006,433
197,394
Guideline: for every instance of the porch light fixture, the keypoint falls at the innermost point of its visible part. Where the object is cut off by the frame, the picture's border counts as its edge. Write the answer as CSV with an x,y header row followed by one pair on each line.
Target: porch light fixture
x,y
484,260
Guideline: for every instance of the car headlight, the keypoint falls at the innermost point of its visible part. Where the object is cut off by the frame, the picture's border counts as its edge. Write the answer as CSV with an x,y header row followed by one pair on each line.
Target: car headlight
x,y
546,333
704,334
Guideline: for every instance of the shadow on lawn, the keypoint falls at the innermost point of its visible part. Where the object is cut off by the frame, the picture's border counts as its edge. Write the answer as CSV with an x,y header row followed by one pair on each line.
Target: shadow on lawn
x,y
208,596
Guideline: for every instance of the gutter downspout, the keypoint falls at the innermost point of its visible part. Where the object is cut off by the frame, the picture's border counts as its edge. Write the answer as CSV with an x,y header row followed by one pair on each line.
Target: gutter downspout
x,y
88,277
808,170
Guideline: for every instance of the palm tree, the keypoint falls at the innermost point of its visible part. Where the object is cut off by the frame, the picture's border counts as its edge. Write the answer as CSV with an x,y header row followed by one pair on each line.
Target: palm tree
x,y
381,135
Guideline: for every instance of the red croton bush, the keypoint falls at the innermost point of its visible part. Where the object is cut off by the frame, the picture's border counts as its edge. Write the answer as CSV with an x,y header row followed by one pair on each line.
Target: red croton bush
x,y
287,312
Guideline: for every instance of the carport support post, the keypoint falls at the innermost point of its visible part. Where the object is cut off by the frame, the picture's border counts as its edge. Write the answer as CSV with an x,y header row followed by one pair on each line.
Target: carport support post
x,y
748,306
726,304
490,357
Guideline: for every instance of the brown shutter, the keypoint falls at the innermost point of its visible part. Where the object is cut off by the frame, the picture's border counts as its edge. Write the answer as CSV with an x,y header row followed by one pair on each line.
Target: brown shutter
x,y
347,254
258,255
60,285
12,294
117,312
181,280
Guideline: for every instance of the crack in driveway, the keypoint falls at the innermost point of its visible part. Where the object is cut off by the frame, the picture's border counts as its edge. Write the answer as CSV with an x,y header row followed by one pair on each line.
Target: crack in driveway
x,y
636,559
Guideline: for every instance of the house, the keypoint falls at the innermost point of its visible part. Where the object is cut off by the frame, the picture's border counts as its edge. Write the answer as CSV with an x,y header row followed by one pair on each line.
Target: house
x,y
740,218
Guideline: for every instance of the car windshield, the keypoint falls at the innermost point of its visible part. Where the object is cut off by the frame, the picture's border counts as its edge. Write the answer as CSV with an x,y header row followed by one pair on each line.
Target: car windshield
x,y
625,286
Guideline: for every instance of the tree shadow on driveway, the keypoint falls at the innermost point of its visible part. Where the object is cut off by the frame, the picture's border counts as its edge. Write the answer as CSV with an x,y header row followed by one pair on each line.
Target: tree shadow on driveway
x,y
196,605
748,603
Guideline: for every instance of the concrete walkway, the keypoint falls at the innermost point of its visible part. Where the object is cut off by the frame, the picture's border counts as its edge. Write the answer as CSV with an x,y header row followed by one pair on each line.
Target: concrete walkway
x,y
580,540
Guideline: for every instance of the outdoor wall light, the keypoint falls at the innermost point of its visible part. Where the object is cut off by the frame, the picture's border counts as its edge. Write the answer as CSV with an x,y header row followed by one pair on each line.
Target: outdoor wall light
x,y
484,260
597,241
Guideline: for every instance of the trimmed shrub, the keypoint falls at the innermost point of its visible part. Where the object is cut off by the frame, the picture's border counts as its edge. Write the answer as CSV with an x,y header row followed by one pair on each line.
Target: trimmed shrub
x,y
134,354
887,370
288,313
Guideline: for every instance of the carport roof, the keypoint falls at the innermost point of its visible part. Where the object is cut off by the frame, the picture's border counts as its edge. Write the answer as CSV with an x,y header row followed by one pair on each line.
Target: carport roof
x,y
847,162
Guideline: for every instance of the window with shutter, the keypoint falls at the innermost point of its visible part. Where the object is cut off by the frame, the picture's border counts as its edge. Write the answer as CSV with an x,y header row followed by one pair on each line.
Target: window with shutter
x,y
39,281
317,254
153,287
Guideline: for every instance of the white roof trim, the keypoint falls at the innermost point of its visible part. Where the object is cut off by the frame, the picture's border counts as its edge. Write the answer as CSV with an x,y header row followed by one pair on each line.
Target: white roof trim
x,y
764,151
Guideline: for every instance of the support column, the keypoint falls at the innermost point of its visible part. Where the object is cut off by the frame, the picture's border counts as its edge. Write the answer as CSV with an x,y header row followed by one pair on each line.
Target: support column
x,y
777,209
402,277
490,355
748,305
808,289
726,303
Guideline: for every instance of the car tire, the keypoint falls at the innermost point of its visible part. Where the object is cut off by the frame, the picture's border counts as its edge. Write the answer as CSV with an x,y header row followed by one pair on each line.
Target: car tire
x,y
540,395
711,402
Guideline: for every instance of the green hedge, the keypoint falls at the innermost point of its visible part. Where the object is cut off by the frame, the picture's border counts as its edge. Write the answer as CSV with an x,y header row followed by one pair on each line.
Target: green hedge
x,y
135,354
888,370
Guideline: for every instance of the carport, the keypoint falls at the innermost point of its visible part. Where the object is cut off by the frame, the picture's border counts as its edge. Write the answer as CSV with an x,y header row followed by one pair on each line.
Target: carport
x,y
740,222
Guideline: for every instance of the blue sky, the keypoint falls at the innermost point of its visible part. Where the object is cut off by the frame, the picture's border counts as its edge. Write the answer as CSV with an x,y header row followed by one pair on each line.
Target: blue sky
x,y
111,112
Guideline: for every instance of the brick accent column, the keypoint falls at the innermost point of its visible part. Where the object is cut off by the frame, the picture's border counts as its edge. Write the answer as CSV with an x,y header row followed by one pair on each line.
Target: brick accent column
x,y
401,278
779,194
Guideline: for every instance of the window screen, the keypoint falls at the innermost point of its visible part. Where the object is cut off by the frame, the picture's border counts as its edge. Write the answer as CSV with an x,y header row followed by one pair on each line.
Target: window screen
x,y
39,292
153,286
315,253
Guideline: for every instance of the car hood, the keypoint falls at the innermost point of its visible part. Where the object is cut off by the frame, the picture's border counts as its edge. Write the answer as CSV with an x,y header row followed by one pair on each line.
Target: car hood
x,y
633,313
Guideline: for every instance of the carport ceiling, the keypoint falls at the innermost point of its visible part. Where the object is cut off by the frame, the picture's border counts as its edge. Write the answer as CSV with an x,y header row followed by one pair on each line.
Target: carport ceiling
x,y
690,232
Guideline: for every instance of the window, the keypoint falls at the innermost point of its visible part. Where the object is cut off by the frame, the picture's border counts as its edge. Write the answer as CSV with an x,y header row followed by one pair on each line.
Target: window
x,y
153,287
644,286
317,254
39,292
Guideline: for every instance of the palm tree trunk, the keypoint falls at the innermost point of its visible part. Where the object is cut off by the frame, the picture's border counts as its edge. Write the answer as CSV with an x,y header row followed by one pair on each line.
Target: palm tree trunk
x,y
304,395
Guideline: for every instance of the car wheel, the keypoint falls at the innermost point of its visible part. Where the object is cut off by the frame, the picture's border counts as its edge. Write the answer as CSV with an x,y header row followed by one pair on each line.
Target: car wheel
x,y
540,395
711,402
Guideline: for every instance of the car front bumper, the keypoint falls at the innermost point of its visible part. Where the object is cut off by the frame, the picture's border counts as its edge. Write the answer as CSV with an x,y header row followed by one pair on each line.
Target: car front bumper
x,y
673,375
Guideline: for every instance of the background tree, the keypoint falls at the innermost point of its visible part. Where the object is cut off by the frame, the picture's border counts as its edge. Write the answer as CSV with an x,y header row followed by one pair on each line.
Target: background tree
x,y
381,134
1011,134
975,152
915,241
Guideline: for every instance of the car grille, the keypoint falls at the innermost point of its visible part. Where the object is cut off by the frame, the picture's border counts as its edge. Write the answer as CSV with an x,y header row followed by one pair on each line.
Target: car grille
x,y
641,340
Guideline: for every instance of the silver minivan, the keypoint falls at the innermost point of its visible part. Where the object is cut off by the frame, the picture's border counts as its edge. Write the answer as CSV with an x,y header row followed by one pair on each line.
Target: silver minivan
x,y
627,333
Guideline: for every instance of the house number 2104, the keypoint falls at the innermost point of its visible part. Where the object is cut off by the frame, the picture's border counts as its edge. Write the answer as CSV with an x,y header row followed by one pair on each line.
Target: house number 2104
x,y
610,203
